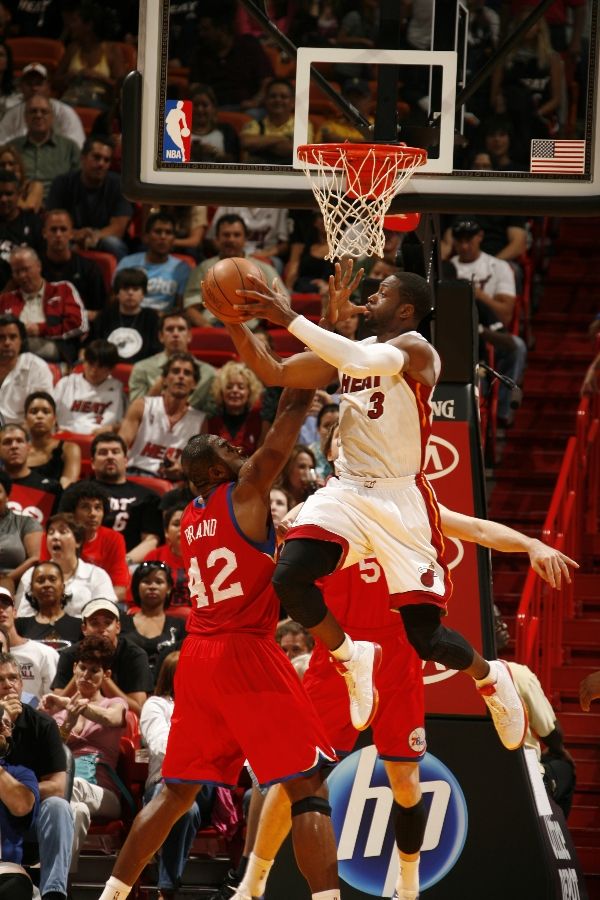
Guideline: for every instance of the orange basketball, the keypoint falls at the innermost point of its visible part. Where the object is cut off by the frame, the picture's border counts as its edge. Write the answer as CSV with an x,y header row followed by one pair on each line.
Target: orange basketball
x,y
220,285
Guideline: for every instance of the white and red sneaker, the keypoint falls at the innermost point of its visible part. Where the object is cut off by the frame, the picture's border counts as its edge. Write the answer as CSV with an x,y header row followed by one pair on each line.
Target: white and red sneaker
x,y
359,675
505,705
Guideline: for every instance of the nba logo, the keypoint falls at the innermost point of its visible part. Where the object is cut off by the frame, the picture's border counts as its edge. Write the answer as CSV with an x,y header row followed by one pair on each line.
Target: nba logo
x,y
177,138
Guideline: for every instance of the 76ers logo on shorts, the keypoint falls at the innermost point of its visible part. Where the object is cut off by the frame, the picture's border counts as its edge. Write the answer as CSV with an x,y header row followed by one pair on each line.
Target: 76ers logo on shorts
x,y
416,740
362,802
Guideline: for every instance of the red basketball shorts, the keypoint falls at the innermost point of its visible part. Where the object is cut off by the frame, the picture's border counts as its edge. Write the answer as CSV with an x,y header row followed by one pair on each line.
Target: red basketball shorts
x,y
237,697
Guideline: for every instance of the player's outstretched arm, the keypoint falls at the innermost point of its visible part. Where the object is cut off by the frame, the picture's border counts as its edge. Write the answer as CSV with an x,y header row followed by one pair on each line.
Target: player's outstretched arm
x,y
548,563
302,370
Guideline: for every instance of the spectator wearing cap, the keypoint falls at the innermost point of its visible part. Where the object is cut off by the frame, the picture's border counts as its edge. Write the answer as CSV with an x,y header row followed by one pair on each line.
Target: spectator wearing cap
x,y
45,153
17,226
37,745
130,678
34,82
504,237
91,401
21,372
92,196
60,263
53,313
37,661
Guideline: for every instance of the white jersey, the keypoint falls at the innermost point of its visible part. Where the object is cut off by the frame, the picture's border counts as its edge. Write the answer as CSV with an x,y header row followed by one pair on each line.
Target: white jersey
x,y
385,424
37,664
156,440
89,582
85,407
493,275
29,374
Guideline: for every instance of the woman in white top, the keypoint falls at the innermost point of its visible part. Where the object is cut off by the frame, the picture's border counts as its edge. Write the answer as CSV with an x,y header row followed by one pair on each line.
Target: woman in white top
x,y
83,581
155,723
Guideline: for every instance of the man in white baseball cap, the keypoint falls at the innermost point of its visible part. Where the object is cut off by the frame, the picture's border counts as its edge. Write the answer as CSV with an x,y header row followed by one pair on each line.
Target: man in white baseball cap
x,y
34,81
130,677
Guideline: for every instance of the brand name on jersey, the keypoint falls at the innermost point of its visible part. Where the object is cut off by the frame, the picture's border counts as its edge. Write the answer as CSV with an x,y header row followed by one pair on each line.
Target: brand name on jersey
x,y
205,528
350,385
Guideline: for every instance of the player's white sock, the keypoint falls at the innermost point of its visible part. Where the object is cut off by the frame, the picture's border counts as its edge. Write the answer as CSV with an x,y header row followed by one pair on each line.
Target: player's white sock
x,y
490,678
409,875
345,651
255,878
327,895
115,890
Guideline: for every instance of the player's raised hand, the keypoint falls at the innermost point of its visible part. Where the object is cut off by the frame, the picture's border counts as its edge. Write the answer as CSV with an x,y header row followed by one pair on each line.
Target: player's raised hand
x,y
550,564
337,305
266,302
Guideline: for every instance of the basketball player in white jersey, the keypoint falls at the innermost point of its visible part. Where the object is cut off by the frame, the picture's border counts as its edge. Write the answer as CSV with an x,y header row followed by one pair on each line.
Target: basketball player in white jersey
x,y
380,504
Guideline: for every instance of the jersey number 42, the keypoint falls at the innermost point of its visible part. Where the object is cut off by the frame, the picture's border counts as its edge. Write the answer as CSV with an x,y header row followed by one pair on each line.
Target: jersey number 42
x,y
221,587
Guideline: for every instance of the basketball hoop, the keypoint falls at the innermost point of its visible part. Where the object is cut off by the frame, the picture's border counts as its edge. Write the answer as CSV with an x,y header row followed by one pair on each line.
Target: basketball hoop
x,y
354,185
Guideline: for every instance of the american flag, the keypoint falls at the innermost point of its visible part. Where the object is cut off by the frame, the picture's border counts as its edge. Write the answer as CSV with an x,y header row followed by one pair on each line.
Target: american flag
x,y
558,157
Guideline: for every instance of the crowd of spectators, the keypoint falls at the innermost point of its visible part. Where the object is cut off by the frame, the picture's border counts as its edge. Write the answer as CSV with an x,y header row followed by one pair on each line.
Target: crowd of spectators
x,y
103,363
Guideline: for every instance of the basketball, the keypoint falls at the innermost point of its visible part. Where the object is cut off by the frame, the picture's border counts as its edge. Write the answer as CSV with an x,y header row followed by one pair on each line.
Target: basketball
x,y
220,286
185,132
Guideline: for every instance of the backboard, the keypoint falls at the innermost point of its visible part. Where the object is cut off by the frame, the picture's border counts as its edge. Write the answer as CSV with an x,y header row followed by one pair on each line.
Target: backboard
x,y
542,103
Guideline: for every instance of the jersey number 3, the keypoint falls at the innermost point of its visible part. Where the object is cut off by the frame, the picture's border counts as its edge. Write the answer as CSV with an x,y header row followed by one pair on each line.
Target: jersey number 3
x,y
375,407
221,587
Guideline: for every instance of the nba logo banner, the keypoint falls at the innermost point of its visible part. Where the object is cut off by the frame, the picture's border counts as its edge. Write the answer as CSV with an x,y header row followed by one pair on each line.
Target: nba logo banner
x,y
177,138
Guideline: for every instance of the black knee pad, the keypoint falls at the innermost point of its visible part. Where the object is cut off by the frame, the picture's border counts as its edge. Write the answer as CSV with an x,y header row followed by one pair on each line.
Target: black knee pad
x,y
434,641
301,563
409,826
311,804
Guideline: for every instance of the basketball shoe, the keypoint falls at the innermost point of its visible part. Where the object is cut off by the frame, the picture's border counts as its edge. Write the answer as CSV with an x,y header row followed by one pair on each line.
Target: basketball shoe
x,y
505,705
359,675
228,890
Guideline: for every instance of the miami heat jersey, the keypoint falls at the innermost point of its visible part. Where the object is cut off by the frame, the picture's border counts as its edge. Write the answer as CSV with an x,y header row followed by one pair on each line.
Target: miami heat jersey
x,y
156,440
229,575
385,423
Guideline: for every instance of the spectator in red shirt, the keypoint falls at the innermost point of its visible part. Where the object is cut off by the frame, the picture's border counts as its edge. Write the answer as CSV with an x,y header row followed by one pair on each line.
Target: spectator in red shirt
x,y
53,313
170,553
90,504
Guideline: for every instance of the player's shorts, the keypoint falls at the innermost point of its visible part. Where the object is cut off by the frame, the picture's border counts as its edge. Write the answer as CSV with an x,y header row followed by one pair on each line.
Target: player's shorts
x,y
237,697
395,519
399,724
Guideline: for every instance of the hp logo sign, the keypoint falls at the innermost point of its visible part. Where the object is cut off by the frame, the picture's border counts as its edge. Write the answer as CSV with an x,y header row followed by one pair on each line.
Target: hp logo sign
x,y
361,800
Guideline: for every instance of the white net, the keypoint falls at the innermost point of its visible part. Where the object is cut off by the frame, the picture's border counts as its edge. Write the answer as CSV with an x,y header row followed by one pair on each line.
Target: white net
x,y
354,186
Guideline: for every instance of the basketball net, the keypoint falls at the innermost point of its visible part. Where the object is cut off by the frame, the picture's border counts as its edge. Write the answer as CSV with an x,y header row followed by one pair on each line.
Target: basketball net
x,y
354,185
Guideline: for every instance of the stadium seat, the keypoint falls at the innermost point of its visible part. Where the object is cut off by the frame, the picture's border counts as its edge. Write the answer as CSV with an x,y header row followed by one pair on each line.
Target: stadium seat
x,y
237,119
216,358
56,372
122,372
84,442
211,339
190,260
129,54
88,116
105,261
46,51
285,343
160,485
307,304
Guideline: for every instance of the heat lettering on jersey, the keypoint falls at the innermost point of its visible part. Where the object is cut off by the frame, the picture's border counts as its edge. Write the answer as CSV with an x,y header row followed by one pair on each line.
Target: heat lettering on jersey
x,y
205,528
154,451
351,385
89,406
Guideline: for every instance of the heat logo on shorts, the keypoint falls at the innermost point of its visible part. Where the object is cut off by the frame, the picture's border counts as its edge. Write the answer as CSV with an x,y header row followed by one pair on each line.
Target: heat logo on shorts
x,y
177,139
362,801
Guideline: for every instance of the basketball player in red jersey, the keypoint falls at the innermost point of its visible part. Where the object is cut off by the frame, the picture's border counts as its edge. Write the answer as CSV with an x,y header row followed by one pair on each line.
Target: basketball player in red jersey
x,y
380,504
236,693
359,598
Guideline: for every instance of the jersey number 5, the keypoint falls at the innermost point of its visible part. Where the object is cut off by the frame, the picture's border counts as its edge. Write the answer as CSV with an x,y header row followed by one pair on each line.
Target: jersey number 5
x,y
219,589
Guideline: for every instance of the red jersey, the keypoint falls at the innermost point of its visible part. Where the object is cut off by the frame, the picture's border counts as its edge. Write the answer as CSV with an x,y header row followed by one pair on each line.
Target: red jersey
x,y
229,576
106,550
344,590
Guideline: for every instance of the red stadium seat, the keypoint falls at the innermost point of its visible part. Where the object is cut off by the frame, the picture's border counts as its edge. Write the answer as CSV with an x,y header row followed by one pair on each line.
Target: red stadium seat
x,y
160,485
132,769
188,259
211,339
56,372
285,343
39,49
88,116
105,261
216,358
307,304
